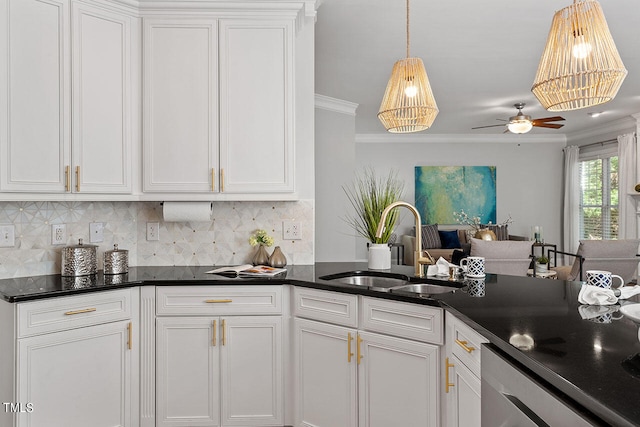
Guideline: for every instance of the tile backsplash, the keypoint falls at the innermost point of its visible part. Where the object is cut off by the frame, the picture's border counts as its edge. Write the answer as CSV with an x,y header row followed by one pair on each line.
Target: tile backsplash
x,y
224,241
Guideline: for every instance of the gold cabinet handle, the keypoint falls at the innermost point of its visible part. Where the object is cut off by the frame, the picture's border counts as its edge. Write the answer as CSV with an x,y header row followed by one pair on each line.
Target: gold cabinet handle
x,y
358,351
224,332
446,376
84,310
129,336
215,333
222,180
77,179
67,178
464,345
349,352
213,179
217,301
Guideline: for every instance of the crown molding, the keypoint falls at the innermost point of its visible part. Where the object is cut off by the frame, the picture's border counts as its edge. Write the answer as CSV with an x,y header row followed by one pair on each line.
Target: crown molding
x,y
298,9
379,138
604,131
335,105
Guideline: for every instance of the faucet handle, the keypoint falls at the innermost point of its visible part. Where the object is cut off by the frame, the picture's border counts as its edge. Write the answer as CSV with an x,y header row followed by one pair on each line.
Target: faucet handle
x,y
427,255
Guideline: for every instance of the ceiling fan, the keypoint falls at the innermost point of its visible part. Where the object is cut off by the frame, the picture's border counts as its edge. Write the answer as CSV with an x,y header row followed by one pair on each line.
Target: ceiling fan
x,y
521,123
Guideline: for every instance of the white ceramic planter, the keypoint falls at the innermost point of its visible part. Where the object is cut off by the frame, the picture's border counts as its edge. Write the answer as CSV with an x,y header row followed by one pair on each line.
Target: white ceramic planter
x,y
379,256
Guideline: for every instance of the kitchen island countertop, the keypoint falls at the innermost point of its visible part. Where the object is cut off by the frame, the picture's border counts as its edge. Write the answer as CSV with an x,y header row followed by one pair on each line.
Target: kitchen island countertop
x,y
538,322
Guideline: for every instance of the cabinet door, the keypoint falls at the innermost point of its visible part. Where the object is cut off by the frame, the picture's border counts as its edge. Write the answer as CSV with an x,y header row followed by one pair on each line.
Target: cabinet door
x,y
325,375
463,400
76,378
34,95
256,105
398,382
180,105
187,371
251,371
102,110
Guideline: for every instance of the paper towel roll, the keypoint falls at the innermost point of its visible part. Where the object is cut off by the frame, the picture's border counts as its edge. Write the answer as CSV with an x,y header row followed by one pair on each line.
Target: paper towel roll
x,y
187,211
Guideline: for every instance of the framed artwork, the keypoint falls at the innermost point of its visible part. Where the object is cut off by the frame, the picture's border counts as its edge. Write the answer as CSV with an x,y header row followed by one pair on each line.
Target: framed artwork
x,y
442,190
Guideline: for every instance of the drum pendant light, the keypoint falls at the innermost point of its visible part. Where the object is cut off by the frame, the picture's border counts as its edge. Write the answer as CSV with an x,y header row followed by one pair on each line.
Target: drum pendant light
x,y
580,66
408,104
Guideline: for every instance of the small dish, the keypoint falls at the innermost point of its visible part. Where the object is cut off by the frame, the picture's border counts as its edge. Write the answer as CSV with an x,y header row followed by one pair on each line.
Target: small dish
x,y
632,311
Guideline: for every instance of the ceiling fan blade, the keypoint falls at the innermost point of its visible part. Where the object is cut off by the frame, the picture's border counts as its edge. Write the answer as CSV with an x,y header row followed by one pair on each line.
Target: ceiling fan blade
x,y
490,126
548,125
548,119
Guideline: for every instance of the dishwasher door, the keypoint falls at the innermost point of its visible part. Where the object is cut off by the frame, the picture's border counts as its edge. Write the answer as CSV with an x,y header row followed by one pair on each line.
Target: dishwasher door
x,y
512,396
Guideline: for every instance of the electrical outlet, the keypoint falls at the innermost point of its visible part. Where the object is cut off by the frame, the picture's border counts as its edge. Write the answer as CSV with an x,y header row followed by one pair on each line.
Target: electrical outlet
x,y
7,236
58,234
153,231
291,230
96,232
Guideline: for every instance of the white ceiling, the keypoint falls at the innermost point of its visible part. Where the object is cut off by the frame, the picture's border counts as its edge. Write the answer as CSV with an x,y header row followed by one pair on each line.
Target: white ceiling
x,y
481,57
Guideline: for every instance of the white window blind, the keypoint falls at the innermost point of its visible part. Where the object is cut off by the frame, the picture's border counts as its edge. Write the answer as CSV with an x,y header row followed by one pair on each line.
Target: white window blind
x,y
599,193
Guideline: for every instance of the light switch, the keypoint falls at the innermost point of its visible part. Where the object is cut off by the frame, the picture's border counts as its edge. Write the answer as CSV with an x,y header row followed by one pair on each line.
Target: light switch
x,y
7,236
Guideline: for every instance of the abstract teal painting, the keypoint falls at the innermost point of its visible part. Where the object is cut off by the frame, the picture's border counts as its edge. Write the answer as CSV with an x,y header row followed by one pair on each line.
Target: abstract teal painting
x,y
443,190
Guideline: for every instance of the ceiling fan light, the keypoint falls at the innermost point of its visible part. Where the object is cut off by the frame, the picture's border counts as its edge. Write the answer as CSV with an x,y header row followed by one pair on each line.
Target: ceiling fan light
x,y
580,66
520,126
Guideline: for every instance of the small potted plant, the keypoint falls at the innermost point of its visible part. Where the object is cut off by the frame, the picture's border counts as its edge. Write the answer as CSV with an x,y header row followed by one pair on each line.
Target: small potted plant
x,y
542,264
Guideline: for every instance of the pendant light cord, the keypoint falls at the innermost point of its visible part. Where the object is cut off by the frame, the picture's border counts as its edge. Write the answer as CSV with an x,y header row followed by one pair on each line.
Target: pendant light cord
x,y
407,28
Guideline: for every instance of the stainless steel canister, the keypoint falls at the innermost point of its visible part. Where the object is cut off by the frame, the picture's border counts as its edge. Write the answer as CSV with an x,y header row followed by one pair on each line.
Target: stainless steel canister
x,y
116,261
79,260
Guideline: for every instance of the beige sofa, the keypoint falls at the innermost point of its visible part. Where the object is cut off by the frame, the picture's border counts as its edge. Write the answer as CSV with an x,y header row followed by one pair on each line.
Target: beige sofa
x,y
409,243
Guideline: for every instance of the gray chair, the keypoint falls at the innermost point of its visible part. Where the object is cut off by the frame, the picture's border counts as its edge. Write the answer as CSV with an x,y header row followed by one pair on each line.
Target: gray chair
x,y
617,256
510,257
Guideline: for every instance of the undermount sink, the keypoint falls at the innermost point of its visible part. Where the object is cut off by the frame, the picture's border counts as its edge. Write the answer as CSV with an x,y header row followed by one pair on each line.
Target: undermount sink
x,y
424,289
370,279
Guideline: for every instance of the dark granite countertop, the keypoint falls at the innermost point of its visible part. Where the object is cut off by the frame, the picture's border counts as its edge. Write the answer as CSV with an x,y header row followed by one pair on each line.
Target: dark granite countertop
x,y
536,321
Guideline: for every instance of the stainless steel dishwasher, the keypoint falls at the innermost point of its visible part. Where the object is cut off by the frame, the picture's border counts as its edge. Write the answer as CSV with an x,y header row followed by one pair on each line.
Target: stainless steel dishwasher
x,y
513,396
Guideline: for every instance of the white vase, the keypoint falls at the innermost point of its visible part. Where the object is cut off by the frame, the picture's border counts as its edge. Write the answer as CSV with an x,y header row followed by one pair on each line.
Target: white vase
x,y
541,268
379,256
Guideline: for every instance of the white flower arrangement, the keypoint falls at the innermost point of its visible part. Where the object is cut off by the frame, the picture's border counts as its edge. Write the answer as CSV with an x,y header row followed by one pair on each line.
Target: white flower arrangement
x,y
260,237
474,221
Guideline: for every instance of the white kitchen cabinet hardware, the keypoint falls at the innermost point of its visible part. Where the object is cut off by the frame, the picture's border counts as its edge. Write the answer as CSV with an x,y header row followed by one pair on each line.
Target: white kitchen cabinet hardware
x,y
66,114
353,377
81,349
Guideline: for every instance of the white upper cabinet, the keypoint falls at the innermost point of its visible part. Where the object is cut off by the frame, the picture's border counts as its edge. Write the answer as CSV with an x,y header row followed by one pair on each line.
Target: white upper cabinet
x,y
102,104
227,131
35,89
256,105
50,50
180,123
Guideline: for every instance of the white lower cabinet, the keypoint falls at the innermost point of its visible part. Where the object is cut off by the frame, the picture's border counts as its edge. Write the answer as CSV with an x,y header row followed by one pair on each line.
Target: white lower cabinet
x,y
76,378
327,387
462,374
348,376
219,370
76,361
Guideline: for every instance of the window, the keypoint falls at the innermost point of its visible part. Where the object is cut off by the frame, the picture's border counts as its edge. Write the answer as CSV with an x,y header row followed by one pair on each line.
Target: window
x,y
599,196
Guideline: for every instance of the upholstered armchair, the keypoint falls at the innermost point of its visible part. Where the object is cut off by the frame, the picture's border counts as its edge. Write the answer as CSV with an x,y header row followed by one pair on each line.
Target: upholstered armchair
x,y
617,256
511,257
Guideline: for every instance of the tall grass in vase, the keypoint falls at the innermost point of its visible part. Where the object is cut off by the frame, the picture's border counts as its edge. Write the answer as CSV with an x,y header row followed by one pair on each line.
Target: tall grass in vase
x,y
369,195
